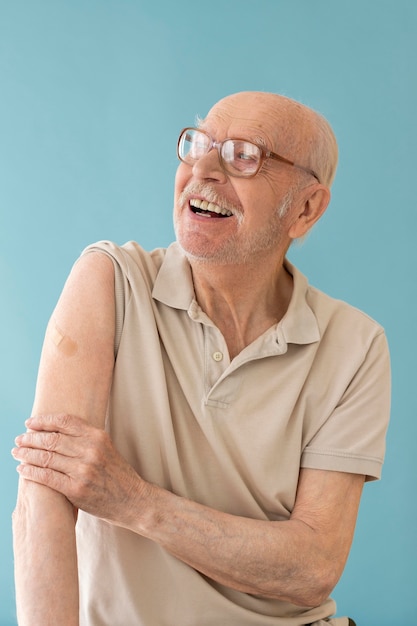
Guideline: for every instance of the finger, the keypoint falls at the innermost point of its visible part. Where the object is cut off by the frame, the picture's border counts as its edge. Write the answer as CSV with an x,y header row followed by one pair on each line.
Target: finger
x,y
41,458
45,476
62,422
49,441
79,487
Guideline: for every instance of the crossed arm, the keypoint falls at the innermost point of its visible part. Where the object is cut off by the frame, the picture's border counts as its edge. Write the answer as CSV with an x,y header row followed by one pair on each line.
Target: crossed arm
x,y
69,462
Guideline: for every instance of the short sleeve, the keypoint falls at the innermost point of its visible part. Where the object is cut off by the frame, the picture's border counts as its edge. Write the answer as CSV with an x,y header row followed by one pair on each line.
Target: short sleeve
x,y
352,439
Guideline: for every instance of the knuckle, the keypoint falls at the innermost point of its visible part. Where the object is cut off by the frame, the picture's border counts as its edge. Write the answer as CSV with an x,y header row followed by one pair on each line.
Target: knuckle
x,y
46,459
64,420
95,456
87,475
81,489
52,441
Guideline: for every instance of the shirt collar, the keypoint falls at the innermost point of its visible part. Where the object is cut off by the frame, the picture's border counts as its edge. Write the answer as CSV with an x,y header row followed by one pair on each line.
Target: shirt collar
x,y
174,287
299,324
174,282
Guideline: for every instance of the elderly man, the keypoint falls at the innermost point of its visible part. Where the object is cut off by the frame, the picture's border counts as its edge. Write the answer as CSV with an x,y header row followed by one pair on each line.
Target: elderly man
x,y
212,416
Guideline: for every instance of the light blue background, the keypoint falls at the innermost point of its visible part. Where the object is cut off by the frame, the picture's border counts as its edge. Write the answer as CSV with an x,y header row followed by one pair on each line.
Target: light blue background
x,y
92,96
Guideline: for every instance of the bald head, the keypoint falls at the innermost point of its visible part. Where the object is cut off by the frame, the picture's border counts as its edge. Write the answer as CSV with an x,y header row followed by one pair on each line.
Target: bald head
x,y
295,131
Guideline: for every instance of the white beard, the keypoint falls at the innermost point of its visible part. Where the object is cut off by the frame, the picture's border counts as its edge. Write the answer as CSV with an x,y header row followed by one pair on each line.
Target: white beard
x,y
235,250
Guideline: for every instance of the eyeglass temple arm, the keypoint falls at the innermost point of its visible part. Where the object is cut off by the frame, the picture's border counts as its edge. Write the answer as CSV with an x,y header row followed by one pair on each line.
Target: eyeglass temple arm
x,y
277,157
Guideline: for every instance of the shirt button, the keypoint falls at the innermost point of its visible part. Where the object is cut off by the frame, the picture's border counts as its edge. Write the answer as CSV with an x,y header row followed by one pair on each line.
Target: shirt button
x,y
217,356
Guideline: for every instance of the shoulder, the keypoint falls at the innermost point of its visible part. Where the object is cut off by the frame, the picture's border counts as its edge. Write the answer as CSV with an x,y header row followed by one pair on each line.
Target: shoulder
x,y
338,324
87,299
131,257
327,307
350,340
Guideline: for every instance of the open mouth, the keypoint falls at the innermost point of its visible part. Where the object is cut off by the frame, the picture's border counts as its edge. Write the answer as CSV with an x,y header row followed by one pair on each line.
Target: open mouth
x,y
208,209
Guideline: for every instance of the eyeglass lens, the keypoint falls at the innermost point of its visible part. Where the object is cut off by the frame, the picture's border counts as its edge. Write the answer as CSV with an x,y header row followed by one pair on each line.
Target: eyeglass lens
x,y
239,157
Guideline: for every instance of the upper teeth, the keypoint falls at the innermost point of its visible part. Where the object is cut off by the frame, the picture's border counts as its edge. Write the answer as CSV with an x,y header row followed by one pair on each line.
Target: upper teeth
x,y
209,206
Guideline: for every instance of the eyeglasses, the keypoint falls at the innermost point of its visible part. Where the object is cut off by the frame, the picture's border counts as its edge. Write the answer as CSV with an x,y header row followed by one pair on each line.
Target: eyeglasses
x,y
238,157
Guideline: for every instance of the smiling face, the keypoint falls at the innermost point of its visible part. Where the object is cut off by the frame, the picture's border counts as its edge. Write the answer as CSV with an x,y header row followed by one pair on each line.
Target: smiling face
x,y
226,220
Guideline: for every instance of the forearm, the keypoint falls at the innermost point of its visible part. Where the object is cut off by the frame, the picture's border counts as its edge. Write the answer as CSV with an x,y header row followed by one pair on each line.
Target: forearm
x,y
298,560
45,558
273,559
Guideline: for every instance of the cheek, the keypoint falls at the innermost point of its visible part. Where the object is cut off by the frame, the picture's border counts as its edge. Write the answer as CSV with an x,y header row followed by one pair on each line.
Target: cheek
x,y
182,177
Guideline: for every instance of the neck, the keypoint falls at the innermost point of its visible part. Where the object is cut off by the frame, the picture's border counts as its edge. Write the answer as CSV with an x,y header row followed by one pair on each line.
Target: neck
x,y
242,300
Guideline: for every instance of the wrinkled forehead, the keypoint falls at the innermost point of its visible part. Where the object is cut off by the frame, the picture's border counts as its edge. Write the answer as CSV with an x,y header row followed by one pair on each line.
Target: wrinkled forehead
x,y
261,117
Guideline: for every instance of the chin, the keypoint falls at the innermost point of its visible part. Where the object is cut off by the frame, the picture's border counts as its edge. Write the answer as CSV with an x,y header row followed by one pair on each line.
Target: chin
x,y
203,257
224,257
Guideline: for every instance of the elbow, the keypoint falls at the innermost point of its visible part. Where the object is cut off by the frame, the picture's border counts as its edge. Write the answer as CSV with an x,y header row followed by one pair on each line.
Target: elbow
x,y
307,589
316,590
311,598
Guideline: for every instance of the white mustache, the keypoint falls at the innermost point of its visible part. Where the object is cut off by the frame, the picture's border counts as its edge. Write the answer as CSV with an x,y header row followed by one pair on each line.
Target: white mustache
x,y
209,194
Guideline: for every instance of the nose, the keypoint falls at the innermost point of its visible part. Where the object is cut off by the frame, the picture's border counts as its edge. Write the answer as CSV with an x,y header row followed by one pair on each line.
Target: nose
x,y
208,167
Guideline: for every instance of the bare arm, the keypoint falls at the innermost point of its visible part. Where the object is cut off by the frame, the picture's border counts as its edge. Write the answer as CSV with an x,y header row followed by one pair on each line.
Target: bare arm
x,y
299,560
74,376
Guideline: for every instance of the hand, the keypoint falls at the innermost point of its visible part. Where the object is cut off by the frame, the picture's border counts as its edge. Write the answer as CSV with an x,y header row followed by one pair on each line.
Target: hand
x,y
73,457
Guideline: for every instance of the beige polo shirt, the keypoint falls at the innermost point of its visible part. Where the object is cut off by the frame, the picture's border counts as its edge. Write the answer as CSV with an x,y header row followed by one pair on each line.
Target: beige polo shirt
x,y
312,391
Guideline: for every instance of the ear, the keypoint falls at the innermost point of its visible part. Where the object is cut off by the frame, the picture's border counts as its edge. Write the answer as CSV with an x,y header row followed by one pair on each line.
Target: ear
x,y
311,207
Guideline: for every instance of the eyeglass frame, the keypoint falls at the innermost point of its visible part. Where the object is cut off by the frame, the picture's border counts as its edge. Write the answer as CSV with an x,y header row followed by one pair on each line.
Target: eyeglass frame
x,y
265,154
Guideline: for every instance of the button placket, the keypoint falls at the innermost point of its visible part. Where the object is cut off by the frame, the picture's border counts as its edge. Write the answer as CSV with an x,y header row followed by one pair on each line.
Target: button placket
x,y
216,361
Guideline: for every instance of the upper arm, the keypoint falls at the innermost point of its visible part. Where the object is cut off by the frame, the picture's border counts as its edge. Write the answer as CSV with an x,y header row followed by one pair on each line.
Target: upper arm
x,y
77,358
327,503
75,374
